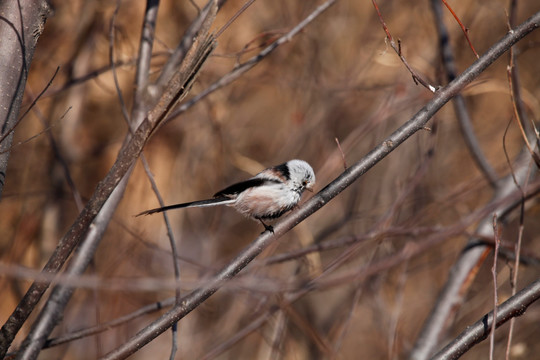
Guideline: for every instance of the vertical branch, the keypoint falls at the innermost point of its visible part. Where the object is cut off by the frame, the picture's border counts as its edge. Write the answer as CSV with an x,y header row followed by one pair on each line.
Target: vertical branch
x,y
494,275
519,121
180,52
141,98
462,114
172,242
113,66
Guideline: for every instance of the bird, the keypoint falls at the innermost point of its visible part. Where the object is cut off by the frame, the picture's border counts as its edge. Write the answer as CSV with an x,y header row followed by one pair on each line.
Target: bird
x,y
265,196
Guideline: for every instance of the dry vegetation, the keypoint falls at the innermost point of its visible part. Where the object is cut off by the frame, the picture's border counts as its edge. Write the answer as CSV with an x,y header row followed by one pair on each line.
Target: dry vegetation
x,y
337,79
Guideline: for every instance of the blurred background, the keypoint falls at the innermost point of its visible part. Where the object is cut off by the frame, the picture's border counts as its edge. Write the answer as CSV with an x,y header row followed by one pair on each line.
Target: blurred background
x,y
337,79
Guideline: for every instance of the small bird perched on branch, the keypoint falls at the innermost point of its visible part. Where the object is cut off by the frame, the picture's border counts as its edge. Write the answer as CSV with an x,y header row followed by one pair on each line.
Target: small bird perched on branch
x,y
267,195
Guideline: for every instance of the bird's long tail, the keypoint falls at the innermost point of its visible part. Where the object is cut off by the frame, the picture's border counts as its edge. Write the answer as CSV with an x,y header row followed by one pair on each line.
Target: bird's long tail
x,y
200,203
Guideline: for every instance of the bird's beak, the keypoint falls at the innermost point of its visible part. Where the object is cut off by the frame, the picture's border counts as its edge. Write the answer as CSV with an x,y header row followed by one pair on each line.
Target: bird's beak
x,y
309,188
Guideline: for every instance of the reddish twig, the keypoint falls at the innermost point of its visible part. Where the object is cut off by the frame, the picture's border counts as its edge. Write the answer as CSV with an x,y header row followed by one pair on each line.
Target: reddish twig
x,y
463,28
342,154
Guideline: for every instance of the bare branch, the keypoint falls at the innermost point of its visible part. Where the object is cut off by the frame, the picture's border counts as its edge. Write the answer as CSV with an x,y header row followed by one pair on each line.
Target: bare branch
x,y
495,293
479,331
141,98
200,24
110,324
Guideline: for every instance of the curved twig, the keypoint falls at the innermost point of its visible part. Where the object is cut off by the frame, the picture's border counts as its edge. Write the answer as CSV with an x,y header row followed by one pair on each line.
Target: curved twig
x,y
460,108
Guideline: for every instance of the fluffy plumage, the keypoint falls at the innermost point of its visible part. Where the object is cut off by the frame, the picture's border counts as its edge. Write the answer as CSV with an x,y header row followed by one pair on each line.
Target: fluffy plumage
x,y
267,195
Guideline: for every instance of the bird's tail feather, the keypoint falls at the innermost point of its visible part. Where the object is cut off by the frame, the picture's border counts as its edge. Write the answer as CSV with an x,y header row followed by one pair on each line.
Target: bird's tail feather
x,y
199,203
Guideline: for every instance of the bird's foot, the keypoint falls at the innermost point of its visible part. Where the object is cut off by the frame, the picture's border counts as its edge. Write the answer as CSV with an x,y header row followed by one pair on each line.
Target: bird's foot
x,y
267,227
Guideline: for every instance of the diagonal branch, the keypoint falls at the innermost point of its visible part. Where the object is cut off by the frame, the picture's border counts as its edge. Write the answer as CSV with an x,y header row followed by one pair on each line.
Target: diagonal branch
x,y
480,330
251,62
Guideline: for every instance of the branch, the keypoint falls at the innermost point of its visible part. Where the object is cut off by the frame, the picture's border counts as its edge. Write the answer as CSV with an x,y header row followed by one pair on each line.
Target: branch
x,y
480,330
250,63
187,40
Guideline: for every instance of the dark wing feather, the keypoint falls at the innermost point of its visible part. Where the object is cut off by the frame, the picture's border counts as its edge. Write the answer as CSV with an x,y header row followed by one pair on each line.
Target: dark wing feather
x,y
237,188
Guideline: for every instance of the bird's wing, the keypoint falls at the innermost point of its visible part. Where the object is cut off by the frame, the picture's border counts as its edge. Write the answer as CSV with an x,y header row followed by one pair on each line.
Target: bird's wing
x,y
221,200
237,188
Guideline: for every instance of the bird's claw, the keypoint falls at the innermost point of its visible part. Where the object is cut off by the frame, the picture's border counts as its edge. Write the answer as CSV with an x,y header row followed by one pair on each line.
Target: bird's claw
x,y
268,228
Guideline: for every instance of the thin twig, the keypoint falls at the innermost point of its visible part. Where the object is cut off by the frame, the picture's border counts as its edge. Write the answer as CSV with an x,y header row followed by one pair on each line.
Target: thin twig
x,y
234,17
342,154
495,294
75,335
474,334
397,48
463,28
240,69
172,242
176,58
517,247
519,122
30,107
529,125
61,160
113,66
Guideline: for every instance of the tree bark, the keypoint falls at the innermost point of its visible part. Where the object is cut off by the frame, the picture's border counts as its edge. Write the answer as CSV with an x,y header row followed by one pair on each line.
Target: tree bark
x,y
21,24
